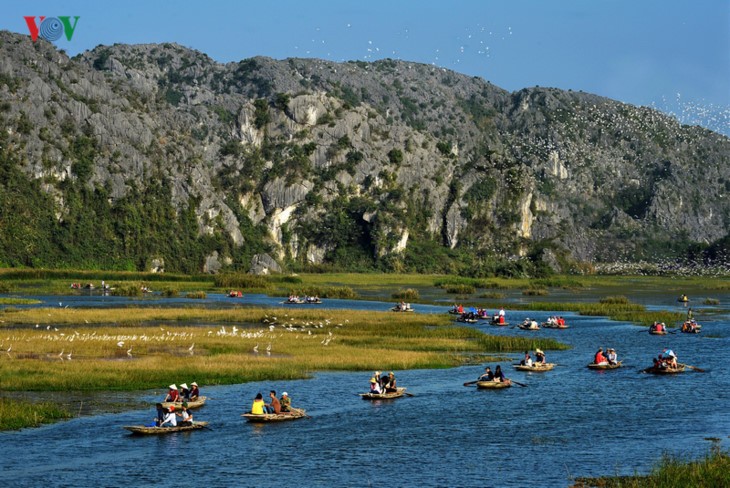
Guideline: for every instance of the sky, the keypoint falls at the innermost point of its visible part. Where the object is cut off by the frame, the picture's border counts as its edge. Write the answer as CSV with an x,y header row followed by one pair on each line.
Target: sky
x,y
673,55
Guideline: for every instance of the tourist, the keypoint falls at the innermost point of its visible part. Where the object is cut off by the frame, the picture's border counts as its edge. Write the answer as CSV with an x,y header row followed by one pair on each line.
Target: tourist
x,y
285,402
185,393
375,386
600,358
173,395
499,375
274,406
539,356
611,356
194,391
161,411
389,385
187,417
487,376
527,361
257,407
669,356
170,419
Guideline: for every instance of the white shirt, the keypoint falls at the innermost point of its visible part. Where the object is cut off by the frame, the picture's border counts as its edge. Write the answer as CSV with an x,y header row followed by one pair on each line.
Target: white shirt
x,y
169,419
501,313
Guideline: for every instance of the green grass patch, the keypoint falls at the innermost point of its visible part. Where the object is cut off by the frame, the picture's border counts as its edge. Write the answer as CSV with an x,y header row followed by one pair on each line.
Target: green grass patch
x,y
196,294
492,295
325,292
128,290
672,472
615,300
535,292
409,294
711,301
17,414
18,301
459,288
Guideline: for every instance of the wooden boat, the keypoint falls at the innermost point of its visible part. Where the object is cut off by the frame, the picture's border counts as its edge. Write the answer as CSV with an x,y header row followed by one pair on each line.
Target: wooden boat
x,y
293,414
604,366
683,299
493,385
467,321
398,309
142,430
658,332
654,370
191,404
539,367
546,325
529,327
497,324
235,294
691,328
302,301
384,396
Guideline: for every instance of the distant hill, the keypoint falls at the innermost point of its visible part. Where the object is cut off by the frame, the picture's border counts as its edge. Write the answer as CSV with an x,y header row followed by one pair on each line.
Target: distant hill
x,y
156,156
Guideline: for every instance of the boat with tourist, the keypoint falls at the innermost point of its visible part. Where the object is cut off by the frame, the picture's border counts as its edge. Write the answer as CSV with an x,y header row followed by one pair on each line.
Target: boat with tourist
x,y
146,430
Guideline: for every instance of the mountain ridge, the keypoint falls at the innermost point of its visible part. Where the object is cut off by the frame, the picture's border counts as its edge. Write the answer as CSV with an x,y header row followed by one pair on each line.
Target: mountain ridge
x,y
383,165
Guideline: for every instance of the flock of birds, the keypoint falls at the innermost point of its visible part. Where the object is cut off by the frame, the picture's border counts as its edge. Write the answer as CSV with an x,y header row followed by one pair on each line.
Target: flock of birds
x,y
268,334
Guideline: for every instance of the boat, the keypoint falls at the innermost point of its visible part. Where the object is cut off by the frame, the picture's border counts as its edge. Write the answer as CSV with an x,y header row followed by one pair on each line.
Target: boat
x,y
549,325
538,367
604,365
384,396
658,332
531,326
302,301
293,414
399,309
144,430
493,385
235,294
191,403
498,324
683,298
654,370
467,320
691,327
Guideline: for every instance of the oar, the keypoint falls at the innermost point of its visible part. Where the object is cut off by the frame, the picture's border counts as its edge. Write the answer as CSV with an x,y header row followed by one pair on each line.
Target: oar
x,y
409,394
469,383
518,383
699,370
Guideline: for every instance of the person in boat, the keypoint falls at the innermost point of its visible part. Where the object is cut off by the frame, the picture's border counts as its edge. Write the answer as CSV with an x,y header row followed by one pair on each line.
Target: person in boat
x,y
611,356
160,417
257,407
187,417
689,313
173,395
274,406
599,357
389,386
170,419
460,308
194,391
527,360
285,402
487,376
498,374
375,386
670,358
539,356
185,392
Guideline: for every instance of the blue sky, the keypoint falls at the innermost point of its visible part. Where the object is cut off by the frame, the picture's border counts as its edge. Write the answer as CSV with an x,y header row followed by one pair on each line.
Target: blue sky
x,y
672,54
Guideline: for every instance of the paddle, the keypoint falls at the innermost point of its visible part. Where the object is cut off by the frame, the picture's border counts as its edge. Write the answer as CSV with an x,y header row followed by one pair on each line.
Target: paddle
x,y
469,383
409,394
518,383
699,370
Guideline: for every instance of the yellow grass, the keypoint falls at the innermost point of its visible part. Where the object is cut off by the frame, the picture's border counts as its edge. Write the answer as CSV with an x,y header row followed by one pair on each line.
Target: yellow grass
x,y
119,349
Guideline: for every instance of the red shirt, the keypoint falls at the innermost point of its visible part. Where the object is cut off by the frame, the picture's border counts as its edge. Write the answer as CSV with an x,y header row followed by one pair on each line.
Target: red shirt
x,y
600,358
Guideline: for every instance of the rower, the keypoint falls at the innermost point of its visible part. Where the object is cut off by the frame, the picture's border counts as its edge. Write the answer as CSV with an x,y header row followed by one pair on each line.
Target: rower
x,y
487,376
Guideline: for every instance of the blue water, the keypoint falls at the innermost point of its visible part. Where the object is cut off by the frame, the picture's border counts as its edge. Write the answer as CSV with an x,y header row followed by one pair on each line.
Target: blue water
x,y
566,423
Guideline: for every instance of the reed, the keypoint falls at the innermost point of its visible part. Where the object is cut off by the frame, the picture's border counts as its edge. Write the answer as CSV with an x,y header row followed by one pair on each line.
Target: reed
x,y
242,280
711,301
535,292
128,290
18,301
492,295
196,294
615,300
461,289
409,294
344,292
18,414
672,472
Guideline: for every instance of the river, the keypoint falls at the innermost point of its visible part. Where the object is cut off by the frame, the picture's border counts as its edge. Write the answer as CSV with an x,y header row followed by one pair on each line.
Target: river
x,y
565,423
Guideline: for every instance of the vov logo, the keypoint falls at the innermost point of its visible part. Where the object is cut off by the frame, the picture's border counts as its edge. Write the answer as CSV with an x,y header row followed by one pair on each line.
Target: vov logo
x,y
51,28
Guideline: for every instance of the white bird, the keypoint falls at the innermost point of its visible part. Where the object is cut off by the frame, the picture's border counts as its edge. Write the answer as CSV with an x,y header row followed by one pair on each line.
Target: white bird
x,y
191,348
68,356
61,355
120,344
268,349
9,349
36,325
129,352
60,304
256,348
271,328
235,330
86,321
48,327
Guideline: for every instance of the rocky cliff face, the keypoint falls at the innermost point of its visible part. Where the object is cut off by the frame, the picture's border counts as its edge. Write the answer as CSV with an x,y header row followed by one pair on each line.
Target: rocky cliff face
x,y
360,164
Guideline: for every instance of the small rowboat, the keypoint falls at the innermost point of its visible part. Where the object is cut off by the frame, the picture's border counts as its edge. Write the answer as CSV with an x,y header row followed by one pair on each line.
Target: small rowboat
x,y
658,332
493,385
497,324
653,370
538,368
398,309
191,404
604,365
142,430
547,325
529,327
293,414
467,321
384,396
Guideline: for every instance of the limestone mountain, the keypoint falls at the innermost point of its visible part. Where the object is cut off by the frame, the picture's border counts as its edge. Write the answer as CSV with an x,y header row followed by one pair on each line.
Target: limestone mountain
x,y
141,156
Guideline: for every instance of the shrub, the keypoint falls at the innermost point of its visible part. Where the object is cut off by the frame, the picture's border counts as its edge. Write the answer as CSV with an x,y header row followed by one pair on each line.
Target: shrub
x,y
535,292
196,294
407,294
459,288
170,293
711,301
615,300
